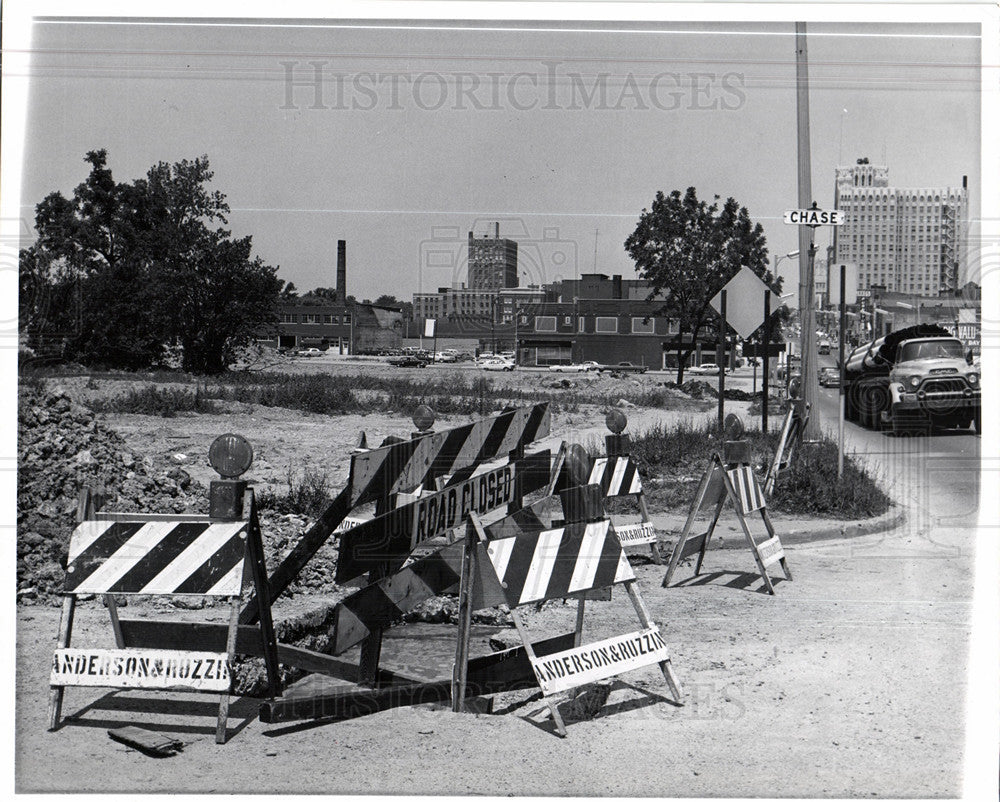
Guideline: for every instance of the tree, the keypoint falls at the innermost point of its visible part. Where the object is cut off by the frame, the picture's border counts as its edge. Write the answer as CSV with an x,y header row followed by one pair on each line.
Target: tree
x,y
121,271
688,249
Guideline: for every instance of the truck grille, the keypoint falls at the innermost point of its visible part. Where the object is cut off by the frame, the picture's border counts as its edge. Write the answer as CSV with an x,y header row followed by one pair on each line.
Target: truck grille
x,y
944,386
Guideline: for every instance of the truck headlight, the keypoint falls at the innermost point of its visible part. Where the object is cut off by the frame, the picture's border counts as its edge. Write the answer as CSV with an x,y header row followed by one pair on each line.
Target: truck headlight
x,y
913,382
973,379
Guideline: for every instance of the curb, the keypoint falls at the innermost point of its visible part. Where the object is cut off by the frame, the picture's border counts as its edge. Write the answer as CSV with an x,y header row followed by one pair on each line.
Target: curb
x,y
844,531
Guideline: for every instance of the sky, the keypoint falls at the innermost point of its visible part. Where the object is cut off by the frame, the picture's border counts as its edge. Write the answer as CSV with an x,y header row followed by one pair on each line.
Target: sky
x,y
562,132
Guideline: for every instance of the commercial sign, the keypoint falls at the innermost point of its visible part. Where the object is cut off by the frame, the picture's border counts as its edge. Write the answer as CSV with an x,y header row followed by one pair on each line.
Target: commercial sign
x,y
441,512
141,668
814,217
636,534
597,661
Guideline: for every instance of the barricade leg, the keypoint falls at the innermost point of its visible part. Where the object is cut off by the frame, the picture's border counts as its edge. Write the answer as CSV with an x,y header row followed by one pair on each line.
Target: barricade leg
x,y
65,637
234,620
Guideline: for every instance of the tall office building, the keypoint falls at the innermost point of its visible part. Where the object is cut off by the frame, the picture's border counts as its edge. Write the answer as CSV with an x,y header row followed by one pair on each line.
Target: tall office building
x,y
906,240
492,262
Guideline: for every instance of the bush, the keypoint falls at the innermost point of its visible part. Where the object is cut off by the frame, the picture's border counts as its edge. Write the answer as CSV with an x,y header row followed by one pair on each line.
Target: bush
x,y
673,459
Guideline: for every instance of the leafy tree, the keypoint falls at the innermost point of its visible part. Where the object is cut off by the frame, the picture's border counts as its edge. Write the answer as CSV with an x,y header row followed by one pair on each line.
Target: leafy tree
x,y
688,249
122,270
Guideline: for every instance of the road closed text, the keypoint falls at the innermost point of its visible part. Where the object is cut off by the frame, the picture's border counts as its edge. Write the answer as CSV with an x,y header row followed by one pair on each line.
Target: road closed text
x,y
443,511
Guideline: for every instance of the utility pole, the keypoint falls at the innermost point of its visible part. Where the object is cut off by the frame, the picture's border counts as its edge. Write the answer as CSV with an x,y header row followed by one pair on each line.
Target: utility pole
x,y
807,316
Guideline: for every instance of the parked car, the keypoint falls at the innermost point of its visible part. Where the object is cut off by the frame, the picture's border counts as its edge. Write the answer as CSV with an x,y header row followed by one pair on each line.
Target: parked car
x,y
829,377
569,368
407,361
310,352
623,367
590,365
497,364
444,356
705,369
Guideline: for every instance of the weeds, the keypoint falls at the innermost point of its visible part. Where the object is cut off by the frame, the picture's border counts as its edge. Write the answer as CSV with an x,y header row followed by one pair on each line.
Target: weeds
x,y
163,401
674,458
308,494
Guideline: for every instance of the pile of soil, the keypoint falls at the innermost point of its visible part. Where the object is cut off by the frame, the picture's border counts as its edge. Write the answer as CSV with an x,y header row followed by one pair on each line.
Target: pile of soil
x,y
62,447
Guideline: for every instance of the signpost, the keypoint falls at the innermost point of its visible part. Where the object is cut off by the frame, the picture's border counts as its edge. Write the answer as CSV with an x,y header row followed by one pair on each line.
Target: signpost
x,y
813,218
847,288
737,305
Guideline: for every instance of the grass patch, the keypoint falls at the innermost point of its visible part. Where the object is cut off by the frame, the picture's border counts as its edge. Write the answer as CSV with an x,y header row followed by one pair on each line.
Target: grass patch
x,y
307,493
152,400
325,394
673,458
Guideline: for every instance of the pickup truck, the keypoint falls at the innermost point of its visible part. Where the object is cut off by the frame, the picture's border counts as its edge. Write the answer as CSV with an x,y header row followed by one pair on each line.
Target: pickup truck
x,y
623,367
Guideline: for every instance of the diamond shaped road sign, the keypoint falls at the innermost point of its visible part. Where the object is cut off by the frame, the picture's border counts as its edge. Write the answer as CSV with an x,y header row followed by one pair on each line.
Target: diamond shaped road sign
x,y
745,302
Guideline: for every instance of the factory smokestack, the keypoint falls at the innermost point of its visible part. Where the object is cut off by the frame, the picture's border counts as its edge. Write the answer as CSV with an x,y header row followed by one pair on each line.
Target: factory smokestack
x,y
341,270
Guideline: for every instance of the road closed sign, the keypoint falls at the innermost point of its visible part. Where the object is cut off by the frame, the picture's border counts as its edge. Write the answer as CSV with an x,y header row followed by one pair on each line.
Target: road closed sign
x,y
814,217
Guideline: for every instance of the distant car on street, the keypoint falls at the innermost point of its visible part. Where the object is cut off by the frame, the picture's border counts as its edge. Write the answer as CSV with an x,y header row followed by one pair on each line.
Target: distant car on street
x,y
407,361
590,365
623,367
497,364
829,377
705,369
568,368
445,356
310,352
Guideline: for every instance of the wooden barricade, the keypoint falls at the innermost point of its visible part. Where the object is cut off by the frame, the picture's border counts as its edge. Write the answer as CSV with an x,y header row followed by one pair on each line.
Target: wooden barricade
x,y
794,425
731,480
618,477
141,555
424,488
525,559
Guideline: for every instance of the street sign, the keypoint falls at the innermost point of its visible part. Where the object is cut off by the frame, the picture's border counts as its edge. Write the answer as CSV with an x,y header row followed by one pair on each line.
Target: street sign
x,y
814,218
851,292
745,302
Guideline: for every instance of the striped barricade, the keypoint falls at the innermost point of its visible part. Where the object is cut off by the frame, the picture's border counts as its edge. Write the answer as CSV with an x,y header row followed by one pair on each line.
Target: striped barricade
x,y
739,484
618,477
144,555
524,564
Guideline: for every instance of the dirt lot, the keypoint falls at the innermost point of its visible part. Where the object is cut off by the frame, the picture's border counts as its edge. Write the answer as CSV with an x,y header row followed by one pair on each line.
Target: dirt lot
x,y
849,682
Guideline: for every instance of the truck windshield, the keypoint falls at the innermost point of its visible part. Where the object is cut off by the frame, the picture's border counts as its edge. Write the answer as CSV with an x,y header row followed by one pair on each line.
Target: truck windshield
x,y
931,349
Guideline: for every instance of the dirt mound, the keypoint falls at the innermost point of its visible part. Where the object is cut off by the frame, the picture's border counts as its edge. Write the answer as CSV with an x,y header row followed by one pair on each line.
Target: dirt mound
x,y
62,447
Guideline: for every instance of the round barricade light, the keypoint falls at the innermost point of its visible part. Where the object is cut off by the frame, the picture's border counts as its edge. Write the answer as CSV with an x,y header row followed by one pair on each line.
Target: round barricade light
x,y
733,427
616,421
230,455
423,418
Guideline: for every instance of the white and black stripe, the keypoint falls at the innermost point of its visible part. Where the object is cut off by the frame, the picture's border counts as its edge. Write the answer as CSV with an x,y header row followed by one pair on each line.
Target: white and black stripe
x,y
747,489
401,466
617,476
554,563
157,557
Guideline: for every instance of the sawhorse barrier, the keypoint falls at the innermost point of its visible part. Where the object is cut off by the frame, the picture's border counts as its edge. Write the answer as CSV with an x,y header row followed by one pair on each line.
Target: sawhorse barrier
x,y
730,480
618,477
529,559
410,515
792,429
143,555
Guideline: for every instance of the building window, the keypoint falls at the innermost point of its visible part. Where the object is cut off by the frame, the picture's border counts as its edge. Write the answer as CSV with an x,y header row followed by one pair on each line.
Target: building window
x,y
606,325
545,323
642,326
347,318
580,326
329,319
568,320
287,318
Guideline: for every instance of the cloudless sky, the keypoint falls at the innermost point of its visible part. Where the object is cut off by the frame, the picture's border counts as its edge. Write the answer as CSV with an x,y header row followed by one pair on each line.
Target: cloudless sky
x,y
403,180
